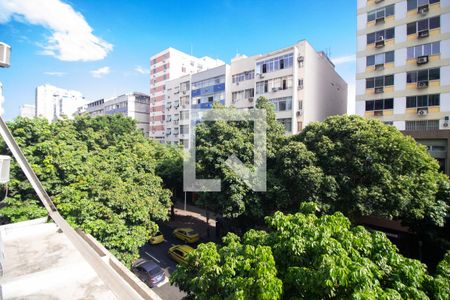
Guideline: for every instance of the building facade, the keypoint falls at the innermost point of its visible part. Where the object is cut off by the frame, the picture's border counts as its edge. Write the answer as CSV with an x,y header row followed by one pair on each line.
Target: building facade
x,y
301,83
52,102
134,105
403,69
27,111
2,99
164,66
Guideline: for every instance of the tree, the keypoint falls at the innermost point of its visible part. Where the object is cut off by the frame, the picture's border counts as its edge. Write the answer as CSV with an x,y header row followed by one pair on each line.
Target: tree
x,y
216,141
100,173
374,169
316,257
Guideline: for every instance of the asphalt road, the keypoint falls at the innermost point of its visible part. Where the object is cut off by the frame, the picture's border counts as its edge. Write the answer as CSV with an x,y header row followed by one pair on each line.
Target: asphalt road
x,y
158,253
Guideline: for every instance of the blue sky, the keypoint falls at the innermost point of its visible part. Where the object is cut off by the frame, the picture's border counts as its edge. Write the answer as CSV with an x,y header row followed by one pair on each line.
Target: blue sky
x,y
64,42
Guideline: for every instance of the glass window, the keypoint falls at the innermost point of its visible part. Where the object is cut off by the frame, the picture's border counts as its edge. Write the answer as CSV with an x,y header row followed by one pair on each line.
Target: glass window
x,y
411,28
410,52
379,104
436,48
422,25
370,60
412,4
370,83
388,103
422,75
371,38
422,101
435,22
434,100
411,102
379,59
389,80
370,105
389,56
390,33
390,10
411,77
434,74
379,81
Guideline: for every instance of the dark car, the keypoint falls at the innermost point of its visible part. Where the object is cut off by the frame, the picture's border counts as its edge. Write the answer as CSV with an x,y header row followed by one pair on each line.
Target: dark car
x,y
148,271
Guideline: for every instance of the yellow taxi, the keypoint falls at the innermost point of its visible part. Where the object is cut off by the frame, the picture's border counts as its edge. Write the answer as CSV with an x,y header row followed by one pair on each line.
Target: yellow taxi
x,y
186,234
179,252
158,238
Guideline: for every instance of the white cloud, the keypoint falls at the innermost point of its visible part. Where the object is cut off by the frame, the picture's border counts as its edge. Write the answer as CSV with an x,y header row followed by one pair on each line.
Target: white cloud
x,y
56,74
344,59
142,70
71,36
100,72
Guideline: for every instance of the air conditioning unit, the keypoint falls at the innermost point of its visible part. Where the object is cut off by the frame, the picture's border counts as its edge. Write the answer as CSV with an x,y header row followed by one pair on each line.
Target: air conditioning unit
x,y
423,33
422,111
261,76
379,20
300,59
379,90
379,67
378,1
422,84
237,82
423,9
250,99
379,42
5,52
378,113
299,112
274,89
421,60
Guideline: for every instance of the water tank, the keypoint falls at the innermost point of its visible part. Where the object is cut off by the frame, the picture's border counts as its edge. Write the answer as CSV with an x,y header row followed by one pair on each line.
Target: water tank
x,y
4,168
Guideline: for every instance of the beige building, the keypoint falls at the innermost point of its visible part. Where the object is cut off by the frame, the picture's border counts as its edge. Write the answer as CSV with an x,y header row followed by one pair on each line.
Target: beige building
x,y
403,68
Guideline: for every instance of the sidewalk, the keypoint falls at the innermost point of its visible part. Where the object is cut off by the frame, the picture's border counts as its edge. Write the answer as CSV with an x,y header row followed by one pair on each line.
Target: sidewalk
x,y
194,217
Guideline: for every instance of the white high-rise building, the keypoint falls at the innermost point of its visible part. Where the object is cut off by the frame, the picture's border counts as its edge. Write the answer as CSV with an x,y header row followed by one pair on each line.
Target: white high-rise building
x,y
166,65
403,69
53,102
27,111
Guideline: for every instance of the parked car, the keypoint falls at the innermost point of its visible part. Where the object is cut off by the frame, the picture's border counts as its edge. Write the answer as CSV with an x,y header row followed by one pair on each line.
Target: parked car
x,y
179,252
158,238
186,234
148,271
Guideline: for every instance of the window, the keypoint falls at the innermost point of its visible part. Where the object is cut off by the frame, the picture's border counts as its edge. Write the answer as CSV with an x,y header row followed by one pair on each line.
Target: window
x,y
423,101
423,75
208,82
376,36
249,93
423,125
275,84
381,58
381,13
379,81
379,104
275,64
282,104
413,4
425,49
243,76
421,25
287,123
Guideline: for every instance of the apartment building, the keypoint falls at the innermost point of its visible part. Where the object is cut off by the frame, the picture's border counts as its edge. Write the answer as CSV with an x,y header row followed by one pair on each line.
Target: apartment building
x,y
134,105
403,69
164,66
301,83
52,102
27,111
2,99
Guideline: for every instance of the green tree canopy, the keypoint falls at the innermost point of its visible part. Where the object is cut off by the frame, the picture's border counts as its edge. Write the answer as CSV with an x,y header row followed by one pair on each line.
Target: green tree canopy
x,y
316,257
100,173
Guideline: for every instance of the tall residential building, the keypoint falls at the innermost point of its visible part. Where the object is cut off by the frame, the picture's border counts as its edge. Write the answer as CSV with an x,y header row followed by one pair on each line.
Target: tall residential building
x,y
301,83
134,105
165,65
27,111
53,102
403,69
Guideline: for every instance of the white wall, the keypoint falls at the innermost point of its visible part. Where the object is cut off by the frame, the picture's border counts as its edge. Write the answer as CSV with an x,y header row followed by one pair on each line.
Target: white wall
x,y
400,10
400,33
445,23
361,4
399,105
361,21
360,87
360,65
362,42
400,81
445,48
445,3
445,75
445,102
400,57
360,108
